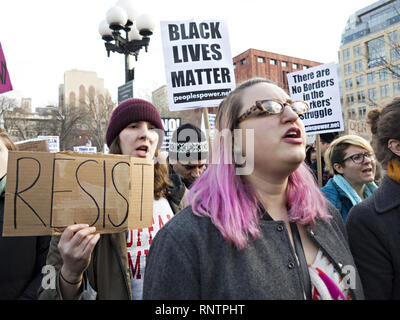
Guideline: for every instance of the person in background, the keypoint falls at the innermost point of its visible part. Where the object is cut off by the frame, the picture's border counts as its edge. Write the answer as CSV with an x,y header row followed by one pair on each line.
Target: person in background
x,y
311,155
257,226
114,264
351,160
325,141
21,258
188,153
374,224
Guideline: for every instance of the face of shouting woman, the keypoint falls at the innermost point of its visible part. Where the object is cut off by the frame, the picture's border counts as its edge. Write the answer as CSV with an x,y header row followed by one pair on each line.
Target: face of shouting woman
x,y
279,139
139,139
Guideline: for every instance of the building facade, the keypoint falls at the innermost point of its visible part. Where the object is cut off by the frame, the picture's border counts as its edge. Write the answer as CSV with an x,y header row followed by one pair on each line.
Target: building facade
x,y
257,63
369,59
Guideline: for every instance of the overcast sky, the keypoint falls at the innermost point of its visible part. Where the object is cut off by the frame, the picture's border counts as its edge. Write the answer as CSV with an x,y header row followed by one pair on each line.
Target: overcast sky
x,y
41,39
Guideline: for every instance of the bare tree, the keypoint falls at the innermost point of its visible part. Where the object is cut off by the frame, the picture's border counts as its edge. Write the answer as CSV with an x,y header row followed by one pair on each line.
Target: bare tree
x,y
64,123
97,117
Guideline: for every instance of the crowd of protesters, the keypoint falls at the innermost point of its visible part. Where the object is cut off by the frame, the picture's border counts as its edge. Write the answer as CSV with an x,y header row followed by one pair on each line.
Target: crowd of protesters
x,y
228,233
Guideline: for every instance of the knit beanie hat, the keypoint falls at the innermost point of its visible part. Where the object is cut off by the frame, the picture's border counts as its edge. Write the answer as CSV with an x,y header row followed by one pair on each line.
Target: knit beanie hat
x,y
133,110
188,143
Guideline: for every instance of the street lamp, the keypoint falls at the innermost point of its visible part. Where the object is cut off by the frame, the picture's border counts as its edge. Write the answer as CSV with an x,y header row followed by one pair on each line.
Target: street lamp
x,y
138,29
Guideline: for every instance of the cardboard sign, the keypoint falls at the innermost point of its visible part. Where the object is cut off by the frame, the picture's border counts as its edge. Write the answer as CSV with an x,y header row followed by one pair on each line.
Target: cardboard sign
x,y
46,192
359,128
37,145
198,63
319,87
5,82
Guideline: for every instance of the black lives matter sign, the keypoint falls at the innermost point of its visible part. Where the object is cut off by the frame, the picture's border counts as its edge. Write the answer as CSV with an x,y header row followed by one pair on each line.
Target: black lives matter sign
x,y
198,63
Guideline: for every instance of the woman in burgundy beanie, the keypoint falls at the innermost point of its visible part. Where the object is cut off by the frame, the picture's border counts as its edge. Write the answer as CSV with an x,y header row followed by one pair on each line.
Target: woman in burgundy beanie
x,y
114,264
133,110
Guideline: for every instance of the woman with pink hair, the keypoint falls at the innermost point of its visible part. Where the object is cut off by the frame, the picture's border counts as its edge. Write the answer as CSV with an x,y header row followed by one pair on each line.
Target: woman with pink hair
x,y
257,226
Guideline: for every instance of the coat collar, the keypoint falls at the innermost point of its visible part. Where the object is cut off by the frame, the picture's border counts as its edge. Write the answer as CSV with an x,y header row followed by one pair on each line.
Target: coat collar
x,y
387,195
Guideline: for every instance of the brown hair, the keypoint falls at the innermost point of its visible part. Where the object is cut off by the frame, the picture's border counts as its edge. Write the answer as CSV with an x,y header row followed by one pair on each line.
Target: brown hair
x,y
384,126
7,141
161,174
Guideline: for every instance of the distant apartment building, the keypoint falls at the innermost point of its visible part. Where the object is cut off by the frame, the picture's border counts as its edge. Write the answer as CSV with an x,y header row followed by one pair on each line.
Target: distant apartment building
x,y
83,89
79,87
369,59
257,63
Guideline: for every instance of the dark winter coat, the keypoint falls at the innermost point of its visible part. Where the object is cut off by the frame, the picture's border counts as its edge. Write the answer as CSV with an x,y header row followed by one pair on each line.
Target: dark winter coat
x,y
373,227
21,263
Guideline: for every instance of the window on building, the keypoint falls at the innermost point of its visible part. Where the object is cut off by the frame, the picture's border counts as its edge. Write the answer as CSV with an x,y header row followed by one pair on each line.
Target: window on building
x,y
272,61
360,81
261,59
347,69
376,51
396,88
351,113
395,54
362,112
372,94
346,54
371,77
360,97
357,51
358,66
349,84
383,74
284,63
350,99
243,61
393,37
295,66
385,91
396,72
305,67
234,66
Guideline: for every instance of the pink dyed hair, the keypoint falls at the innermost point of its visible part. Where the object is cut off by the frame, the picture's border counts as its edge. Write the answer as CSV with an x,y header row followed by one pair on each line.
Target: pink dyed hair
x,y
232,205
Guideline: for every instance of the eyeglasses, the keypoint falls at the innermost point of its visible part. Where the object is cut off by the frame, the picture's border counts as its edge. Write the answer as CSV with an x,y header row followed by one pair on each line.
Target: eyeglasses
x,y
359,158
268,107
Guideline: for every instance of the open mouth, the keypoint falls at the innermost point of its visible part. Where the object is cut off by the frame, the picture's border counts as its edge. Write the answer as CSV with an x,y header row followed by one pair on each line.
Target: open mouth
x,y
142,150
366,170
293,133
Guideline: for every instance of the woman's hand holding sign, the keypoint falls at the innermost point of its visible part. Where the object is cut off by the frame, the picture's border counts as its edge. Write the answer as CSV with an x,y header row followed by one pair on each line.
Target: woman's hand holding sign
x,y
76,246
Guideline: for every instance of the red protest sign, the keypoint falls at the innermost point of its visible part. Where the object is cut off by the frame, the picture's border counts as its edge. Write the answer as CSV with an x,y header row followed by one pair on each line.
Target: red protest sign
x,y
5,82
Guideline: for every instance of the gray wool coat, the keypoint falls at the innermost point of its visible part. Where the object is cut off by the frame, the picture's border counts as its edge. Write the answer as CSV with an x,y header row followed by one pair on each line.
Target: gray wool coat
x,y
189,259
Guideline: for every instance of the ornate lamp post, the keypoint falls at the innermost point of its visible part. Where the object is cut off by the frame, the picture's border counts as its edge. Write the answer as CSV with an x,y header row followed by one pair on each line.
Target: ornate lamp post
x,y
125,32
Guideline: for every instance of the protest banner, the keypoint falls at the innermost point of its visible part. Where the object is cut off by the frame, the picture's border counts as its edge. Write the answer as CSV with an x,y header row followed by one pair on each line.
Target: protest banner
x,y
85,149
47,192
53,142
5,81
319,87
198,63
170,125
